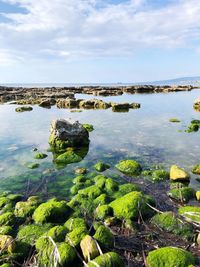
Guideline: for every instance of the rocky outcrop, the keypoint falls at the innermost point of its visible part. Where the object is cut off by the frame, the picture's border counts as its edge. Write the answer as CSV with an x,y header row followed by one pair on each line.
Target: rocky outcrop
x,y
196,105
66,133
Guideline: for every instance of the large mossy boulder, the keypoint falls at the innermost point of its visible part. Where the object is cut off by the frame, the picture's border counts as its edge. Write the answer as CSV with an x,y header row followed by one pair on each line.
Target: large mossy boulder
x,y
129,167
68,157
74,223
178,174
168,221
64,133
191,213
110,259
131,205
24,209
52,211
89,248
170,257
103,212
104,236
92,191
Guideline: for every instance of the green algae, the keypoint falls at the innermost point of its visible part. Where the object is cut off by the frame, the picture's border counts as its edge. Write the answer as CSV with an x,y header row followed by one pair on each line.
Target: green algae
x,y
110,259
101,167
129,167
40,156
104,211
183,194
192,213
88,127
104,236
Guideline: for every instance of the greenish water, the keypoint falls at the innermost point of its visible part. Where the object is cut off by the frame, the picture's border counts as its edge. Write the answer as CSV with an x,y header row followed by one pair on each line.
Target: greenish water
x,y
144,134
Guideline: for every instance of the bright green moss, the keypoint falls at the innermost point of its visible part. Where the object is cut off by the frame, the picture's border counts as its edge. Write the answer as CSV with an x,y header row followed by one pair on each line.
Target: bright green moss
x,y
23,109
6,265
33,165
68,257
15,197
110,259
7,218
170,257
100,181
160,175
89,248
91,191
104,236
7,244
52,211
6,230
4,201
40,156
24,209
75,188
104,211
88,127
146,173
129,167
101,167
74,223
196,169
57,233
76,235
125,189
169,222
80,179
190,212
130,205
111,186
102,200
68,157
183,194
30,233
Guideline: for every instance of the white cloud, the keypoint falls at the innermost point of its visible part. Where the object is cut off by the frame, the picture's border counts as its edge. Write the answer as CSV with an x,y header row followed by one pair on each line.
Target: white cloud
x,y
91,28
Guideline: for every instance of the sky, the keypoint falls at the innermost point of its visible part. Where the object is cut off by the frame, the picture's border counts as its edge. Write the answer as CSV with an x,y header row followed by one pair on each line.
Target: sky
x,y
102,41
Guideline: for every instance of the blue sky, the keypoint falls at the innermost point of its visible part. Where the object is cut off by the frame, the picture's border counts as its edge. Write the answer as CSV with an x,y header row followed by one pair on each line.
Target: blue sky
x,y
98,40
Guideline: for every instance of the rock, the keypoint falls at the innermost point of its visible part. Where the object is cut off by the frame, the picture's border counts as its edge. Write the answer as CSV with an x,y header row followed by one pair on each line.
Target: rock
x,y
110,259
178,174
76,235
183,194
131,205
104,237
67,103
198,239
81,171
125,189
124,106
74,223
170,257
7,244
194,126
168,221
92,191
52,211
7,218
89,248
67,134
103,212
129,167
101,167
68,157
79,179
196,105
25,209
198,195
58,233
23,109
88,127
191,213
40,156
174,120
102,200
160,175
33,165
94,104
6,230
47,103
196,169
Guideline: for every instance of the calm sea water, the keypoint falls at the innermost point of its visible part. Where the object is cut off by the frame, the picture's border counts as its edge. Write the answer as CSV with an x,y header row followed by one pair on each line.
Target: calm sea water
x,y
144,134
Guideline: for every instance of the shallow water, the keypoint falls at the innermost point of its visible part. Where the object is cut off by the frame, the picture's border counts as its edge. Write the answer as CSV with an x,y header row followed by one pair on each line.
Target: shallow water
x,y
143,134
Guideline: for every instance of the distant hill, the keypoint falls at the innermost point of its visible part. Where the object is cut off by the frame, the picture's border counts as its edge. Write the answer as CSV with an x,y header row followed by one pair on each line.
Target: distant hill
x,y
179,81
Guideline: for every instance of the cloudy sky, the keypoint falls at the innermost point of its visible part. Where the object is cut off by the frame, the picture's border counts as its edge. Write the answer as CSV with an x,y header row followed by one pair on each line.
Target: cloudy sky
x,y
98,40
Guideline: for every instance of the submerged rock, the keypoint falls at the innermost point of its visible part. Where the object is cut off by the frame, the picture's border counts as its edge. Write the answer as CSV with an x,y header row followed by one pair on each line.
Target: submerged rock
x,y
23,109
196,169
183,194
129,167
88,127
40,156
65,134
178,174
174,120
170,257
101,167
94,104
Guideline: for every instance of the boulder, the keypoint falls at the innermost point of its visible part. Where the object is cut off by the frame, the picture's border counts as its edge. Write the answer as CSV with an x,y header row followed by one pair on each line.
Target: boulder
x,y
129,167
178,174
65,133
94,104
89,248
7,243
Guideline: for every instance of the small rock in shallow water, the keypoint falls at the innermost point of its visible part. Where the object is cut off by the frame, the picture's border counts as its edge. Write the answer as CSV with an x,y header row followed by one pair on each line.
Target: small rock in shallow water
x,y
23,109
178,174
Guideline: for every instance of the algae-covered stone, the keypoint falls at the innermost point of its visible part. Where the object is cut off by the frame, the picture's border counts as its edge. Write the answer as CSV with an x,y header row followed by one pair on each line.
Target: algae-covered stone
x,y
30,233
100,181
75,188
6,230
110,185
81,171
101,167
130,205
170,257
91,191
169,222
196,169
4,201
57,233
160,175
7,218
104,236
75,236
130,225
6,265
23,109
79,179
104,211
33,165
183,194
102,199
74,223
7,243
40,156
125,189
52,211
110,259
192,213
89,248
68,157
178,174
25,209
174,120
129,167
198,195
88,127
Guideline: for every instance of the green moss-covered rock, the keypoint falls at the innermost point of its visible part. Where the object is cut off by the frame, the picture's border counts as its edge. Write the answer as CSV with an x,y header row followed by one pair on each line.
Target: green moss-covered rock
x,y
110,259
104,236
75,236
101,167
102,200
75,188
104,211
33,165
23,109
89,248
100,181
68,157
88,127
74,223
15,197
57,233
129,167
79,179
40,156
196,169
170,257
25,209
130,205
160,175
30,233
52,211
125,189
174,120
111,186
169,222
7,244
182,194
6,230
198,195
192,213
4,201
7,218
91,191
178,174
80,171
